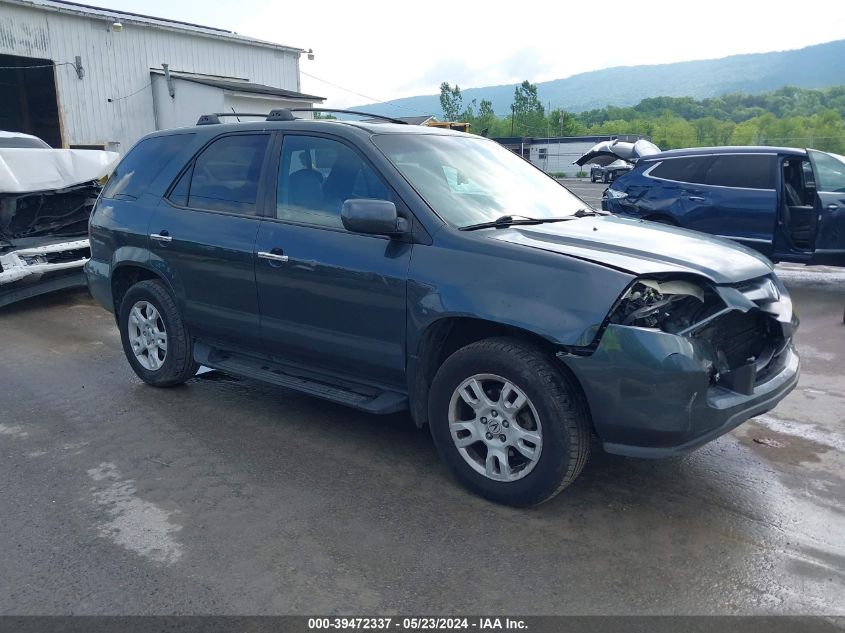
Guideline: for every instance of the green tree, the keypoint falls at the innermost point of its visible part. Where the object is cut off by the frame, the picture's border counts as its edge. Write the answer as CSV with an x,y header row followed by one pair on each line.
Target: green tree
x,y
451,101
527,111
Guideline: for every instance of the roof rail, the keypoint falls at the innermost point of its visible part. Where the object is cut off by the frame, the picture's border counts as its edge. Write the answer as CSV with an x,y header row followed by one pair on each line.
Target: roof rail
x,y
368,114
214,119
285,114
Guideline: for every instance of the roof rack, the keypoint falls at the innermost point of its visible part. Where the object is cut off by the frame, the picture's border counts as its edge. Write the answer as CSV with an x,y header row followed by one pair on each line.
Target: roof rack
x,y
286,114
367,114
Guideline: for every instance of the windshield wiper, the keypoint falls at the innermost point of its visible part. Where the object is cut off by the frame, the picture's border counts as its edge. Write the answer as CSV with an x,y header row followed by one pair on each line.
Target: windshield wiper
x,y
583,213
510,220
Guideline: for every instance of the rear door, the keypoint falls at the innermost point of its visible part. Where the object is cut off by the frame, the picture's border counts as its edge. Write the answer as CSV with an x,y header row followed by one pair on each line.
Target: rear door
x,y
741,199
202,238
829,173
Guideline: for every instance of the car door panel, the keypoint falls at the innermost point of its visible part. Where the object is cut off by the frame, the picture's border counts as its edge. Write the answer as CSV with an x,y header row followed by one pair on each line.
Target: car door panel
x,y
338,302
202,238
829,238
330,300
209,261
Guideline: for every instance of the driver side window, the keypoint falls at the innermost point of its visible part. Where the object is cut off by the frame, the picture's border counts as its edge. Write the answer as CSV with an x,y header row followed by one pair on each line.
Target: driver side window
x,y
317,175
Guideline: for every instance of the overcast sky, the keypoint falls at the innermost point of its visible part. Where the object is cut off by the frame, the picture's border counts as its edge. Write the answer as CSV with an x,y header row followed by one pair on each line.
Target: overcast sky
x,y
382,50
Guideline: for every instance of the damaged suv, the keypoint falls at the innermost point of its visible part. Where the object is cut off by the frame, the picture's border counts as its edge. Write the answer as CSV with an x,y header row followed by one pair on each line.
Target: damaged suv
x,y
46,197
392,267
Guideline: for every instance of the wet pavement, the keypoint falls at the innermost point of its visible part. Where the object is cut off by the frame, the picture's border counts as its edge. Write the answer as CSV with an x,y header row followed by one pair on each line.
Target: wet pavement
x,y
228,496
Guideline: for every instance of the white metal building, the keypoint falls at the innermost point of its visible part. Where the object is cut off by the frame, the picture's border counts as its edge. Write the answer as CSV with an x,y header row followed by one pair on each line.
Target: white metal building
x,y
83,76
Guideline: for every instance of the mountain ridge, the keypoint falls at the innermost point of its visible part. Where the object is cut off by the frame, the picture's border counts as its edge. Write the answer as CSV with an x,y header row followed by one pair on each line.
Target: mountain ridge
x,y
815,66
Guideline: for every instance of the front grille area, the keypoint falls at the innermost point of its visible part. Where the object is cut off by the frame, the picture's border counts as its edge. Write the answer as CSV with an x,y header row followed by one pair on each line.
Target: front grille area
x,y
57,257
747,348
737,337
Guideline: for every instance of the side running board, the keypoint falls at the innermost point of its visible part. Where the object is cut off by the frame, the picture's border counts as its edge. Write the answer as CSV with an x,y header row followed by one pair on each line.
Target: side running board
x,y
365,398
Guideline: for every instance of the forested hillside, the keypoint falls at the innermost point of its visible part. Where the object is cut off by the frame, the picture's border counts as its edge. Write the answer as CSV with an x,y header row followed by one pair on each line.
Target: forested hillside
x,y
788,116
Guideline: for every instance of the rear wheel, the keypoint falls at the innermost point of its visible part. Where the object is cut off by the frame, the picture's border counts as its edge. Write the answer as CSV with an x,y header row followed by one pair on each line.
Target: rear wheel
x,y
155,340
508,423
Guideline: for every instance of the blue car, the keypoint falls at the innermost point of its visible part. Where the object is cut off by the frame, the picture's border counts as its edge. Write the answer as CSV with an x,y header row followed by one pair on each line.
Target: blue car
x,y
787,203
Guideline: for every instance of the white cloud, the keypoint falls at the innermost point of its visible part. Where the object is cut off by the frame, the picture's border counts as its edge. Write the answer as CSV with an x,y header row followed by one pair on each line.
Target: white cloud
x,y
388,49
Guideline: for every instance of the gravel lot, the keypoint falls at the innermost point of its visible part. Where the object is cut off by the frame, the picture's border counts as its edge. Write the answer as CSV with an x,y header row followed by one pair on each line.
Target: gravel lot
x,y
227,496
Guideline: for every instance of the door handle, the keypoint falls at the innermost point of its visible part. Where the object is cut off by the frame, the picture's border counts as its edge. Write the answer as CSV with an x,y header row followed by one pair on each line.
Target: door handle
x,y
832,207
164,236
275,257
695,198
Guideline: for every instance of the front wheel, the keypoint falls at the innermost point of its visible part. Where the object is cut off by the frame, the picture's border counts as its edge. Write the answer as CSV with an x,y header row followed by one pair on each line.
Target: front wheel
x,y
508,423
155,340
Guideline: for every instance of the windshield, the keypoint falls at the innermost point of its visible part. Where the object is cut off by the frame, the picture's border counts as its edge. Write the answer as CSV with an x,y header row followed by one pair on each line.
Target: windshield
x,y
830,171
469,181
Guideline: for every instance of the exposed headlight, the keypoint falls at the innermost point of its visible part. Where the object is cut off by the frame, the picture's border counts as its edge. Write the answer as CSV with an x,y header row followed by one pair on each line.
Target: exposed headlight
x,y
613,194
670,306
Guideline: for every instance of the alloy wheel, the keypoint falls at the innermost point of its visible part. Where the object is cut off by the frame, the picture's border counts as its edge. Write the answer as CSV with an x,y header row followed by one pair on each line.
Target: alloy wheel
x,y
495,427
147,335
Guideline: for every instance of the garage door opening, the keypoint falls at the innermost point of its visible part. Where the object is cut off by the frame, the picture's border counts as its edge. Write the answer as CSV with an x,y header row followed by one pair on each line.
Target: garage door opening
x,y
28,103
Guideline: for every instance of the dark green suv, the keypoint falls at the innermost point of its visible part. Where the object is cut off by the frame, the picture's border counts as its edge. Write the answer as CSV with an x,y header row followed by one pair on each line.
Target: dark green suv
x,y
392,267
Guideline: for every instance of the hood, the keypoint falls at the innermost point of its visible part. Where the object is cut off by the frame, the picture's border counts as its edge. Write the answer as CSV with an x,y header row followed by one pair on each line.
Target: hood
x,y
607,152
28,169
640,247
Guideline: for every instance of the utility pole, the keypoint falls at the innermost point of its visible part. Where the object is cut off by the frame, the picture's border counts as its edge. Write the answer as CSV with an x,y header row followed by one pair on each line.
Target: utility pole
x,y
513,114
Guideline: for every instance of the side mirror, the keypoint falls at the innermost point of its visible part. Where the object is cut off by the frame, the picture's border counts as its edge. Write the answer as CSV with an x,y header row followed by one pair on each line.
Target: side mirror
x,y
374,217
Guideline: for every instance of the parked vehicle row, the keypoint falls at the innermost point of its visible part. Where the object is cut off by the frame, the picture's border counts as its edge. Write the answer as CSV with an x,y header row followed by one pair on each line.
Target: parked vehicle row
x,y
391,267
787,203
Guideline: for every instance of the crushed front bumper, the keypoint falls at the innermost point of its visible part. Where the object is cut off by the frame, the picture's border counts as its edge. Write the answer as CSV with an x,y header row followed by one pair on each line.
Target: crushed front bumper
x,y
650,395
27,272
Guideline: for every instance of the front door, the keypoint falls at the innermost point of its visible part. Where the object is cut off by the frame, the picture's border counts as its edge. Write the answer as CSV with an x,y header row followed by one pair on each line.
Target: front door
x,y
330,300
829,173
202,237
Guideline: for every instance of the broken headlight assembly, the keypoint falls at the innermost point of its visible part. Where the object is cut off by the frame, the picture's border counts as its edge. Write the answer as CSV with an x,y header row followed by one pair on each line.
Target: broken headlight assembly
x,y
613,194
671,306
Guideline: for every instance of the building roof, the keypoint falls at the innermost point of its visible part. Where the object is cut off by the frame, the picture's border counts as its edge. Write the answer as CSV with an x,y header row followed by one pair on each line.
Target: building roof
x,y
243,86
64,6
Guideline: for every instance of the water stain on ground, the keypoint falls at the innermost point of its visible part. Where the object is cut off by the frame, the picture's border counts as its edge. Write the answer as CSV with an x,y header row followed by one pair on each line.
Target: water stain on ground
x,y
780,447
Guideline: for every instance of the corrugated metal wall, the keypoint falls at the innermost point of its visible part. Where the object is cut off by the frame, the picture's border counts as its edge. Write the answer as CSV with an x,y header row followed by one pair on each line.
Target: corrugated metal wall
x,y
117,67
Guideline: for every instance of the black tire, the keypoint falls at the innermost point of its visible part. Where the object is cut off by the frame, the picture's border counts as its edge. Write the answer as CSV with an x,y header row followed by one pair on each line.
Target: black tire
x,y
178,364
592,178
566,428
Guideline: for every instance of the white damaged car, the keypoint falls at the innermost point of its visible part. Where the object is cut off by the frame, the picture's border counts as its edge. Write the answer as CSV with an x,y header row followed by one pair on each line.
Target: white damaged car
x,y
46,197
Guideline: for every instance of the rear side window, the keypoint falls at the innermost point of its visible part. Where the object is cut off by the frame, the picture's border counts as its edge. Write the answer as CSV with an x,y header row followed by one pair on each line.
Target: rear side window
x,y
687,169
749,171
142,164
225,176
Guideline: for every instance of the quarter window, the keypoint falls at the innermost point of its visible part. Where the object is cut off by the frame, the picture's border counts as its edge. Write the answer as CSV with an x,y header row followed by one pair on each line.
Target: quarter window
x,y
689,169
225,176
749,171
317,175
142,164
